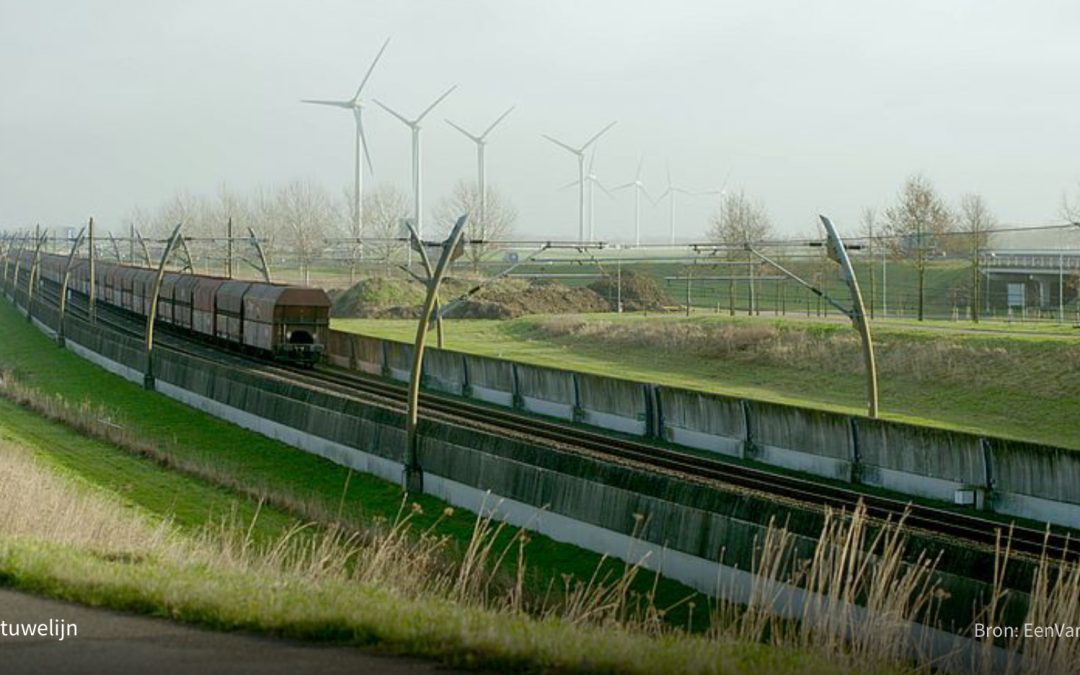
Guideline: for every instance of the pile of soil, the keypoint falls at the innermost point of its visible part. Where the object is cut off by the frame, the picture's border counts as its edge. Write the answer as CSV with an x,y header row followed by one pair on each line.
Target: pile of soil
x,y
372,295
640,292
382,298
510,298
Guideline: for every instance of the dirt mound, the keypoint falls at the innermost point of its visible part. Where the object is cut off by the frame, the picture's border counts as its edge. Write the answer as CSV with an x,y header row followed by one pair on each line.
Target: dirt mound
x,y
511,298
381,298
640,292
370,296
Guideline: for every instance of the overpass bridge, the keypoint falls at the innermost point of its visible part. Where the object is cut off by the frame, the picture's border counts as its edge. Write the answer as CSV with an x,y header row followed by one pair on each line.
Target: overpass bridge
x,y
1042,281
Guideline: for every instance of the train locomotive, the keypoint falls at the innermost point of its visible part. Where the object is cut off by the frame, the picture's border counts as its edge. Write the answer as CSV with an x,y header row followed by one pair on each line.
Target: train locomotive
x,y
278,321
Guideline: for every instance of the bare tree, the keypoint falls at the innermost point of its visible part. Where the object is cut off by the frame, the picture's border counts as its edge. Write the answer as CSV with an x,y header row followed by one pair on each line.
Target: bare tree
x,y
307,214
182,206
975,221
915,224
385,208
739,222
497,223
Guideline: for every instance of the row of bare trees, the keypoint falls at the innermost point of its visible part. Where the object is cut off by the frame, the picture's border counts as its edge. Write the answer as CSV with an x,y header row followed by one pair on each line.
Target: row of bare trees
x,y
304,221
919,226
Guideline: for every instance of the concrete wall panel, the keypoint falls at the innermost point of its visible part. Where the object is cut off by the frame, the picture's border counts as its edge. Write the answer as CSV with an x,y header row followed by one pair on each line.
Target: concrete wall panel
x,y
806,440
612,403
444,371
547,391
490,380
919,460
703,421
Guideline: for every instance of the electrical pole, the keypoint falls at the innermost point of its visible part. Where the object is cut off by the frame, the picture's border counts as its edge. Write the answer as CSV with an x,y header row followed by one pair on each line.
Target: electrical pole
x,y
229,250
413,472
151,316
93,288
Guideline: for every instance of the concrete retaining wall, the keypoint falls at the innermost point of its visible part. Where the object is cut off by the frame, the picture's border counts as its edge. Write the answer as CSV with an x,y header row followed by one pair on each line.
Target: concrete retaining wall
x,y
704,421
609,403
445,371
398,360
1035,481
490,380
919,461
1032,481
813,441
358,352
546,391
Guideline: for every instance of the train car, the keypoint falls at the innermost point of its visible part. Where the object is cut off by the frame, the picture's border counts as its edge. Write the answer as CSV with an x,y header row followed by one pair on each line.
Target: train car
x,y
127,288
202,316
229,311
165,297
184,301
291,323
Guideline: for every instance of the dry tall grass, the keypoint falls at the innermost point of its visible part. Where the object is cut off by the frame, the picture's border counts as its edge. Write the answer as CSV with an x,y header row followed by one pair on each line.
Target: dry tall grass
x,y
926,360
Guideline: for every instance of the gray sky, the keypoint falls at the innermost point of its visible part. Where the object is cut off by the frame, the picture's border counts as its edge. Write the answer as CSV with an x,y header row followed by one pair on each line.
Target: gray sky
x,y
811,107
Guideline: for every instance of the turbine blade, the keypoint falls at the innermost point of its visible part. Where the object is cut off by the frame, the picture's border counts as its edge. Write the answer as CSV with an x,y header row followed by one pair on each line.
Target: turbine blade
x,y
336,104
597,135
363,139
569,185
437,102
393,112
592,158
496,122
640,166
370,68
605,190
623,186
562,145
476,139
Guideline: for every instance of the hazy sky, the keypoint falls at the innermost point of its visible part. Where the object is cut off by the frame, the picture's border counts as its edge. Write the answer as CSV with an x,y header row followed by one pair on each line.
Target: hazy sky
x,y
811,107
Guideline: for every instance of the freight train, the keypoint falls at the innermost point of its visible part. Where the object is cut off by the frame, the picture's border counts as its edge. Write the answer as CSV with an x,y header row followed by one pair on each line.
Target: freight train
x,y
278,321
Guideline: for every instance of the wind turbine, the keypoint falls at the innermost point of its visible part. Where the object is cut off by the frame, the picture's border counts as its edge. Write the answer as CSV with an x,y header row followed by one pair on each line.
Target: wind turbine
x,y
481,144
639,189
357,107
670,193
414,125
580,152
592,182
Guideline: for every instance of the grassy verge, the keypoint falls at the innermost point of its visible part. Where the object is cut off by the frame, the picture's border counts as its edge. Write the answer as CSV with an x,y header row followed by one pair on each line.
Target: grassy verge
x,y
1024,387
166,433
61,537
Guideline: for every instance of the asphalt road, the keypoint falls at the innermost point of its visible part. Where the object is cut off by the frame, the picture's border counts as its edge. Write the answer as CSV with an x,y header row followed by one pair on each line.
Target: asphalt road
x,y
116,643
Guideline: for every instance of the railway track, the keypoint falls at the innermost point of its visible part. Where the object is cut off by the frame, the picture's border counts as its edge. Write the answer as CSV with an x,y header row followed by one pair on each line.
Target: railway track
x,y
647,455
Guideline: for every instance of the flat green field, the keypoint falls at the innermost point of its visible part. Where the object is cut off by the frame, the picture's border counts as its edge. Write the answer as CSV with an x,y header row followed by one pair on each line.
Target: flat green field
x,y
983,379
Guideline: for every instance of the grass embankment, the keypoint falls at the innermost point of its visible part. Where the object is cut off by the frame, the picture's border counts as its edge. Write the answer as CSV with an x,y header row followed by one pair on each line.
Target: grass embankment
x,y
225,455
66,538
1025,387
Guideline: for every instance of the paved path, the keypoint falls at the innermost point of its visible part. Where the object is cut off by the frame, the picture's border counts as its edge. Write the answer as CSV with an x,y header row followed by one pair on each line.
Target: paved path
x,y
116,643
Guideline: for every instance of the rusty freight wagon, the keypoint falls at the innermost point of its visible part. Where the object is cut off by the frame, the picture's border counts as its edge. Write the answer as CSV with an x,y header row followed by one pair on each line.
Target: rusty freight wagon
x,y
290,323
286,322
